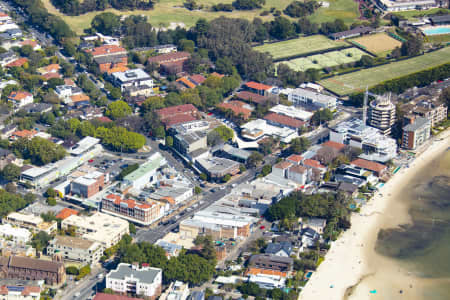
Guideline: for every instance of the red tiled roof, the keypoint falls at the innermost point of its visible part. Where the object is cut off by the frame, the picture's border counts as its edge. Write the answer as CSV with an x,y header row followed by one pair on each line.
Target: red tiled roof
x,y
50,75
168,57
295,158
284,120
106,50
368,165
79,97
334,145
186,82
283,165
174,110
25,133
29,42
237,107
52,68
68,81
104,119
252,97
102,296
130,203
197,78
178,119
297,169
66,212
313,163
18,95
258,86
17,63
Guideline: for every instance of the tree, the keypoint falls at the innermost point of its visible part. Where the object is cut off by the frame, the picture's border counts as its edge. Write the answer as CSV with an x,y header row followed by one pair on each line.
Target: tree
x,y
299,145
51,201
254,159
106,23
169,141
118,109
132,228
301,9
413,46
186,45
197,190
10,187
39,150
226,178
84,271
203,177
40,240
242,168
322,115
281,28
266,169
72,270
10,172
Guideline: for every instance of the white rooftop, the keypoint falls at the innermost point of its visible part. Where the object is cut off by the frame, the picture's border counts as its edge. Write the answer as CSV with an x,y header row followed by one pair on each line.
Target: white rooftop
x,y
130,75
292,111
8,230
253,127
84,145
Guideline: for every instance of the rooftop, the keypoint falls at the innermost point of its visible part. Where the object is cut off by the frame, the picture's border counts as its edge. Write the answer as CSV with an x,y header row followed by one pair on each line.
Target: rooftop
x,y
145,275
84,145
72,241
30,263
169,57
102,296
153,163
130,75
252,97
292,111
334,145
297,169
284,120
174,110
283,165
258,86
418,124
65,213
295,158
106,50
368,165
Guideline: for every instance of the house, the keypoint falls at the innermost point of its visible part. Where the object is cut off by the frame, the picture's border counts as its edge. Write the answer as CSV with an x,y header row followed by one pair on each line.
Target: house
x,y
314,164
65,213
178,114
112,63
33,43
281,169
8,130
39,108
270,262
238,108
128,278
376,168
295,159
283,249
258,88
11,289
23,134
298,174
192,81
317,224
309,237
20,62
20,99
65,92
7,57
103,296
169,58
252,97
106,50
176,291
164,49
79,100
348,188
52,68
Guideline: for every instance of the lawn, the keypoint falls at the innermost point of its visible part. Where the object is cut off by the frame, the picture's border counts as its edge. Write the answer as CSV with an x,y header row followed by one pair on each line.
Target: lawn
x,y
357,81
378,43
416,14
171,13
300,46
329,59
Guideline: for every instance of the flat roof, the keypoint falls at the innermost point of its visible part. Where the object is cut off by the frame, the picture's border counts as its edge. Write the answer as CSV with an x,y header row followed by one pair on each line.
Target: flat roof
x,y
83,145
72,241
292,111
145,275
154,163
130,75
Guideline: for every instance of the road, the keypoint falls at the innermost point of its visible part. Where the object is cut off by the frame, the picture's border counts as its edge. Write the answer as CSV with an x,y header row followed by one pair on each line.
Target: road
x,y
87,287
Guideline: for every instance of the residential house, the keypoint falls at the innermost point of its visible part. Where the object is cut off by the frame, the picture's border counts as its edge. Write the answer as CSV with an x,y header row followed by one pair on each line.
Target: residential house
x,y
284,121
283,249
270,262
295,159
132,78
20,99
7,57
298,174
23,134
281,169
317,224
11,289
252,97
376,168
20,62
258,88
178,114
238,108
169,58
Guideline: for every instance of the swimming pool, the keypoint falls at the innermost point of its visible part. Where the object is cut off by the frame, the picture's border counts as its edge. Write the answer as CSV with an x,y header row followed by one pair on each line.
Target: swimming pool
x,y
436,30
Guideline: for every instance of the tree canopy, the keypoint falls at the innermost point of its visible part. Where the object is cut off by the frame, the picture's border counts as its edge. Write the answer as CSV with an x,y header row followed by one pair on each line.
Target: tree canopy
x,y
38,150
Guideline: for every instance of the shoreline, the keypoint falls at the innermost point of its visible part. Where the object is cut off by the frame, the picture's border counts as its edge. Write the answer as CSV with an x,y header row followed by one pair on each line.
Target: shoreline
x,y
347,264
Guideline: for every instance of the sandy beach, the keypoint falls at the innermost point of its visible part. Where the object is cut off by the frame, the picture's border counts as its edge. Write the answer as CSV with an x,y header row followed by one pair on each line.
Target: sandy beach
x,y
352,260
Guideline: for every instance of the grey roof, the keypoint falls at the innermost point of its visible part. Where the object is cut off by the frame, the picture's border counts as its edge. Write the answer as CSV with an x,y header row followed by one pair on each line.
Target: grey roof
x,y
266,257
146,275
418,123
36,107
7,55
274,248
110,59
4,152
236,152
442,18
131,75
357,30
316,222
197,295
347,187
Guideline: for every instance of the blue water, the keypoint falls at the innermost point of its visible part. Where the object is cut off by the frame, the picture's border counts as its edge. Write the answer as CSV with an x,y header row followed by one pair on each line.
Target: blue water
x,y
437,30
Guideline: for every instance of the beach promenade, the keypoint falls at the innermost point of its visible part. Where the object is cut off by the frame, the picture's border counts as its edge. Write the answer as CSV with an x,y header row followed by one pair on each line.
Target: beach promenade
x,y
349,260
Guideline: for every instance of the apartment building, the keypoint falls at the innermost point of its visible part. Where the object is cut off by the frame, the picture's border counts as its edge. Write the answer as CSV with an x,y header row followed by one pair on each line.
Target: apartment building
x,y
31,222
382,114
416,133
76,249
16,235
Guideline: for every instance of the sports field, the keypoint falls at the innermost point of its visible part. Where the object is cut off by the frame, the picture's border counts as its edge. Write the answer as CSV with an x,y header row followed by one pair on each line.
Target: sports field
x,y
299,46
329,59
170,13
378,43
357,81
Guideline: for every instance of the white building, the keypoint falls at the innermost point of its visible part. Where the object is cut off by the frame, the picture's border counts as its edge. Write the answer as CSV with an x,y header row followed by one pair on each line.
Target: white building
x,y
20,99
382,114
146,173
128,278
268,282
132,78
402,5
293,112
102,228
374,144
31,222
76,249
17,235
86,144
176,291
301,97
65,92
257,129
298,174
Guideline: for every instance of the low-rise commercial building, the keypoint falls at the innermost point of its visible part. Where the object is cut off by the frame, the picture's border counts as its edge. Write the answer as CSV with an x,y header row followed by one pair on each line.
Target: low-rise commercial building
x,y
128,278
99,227
186,143
216,167
143,213
75,249
31,222
293,112
146,173
427,107
88,185
257,129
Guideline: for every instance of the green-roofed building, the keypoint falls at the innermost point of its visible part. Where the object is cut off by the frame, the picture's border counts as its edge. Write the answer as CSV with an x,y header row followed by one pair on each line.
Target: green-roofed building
x,y
146,173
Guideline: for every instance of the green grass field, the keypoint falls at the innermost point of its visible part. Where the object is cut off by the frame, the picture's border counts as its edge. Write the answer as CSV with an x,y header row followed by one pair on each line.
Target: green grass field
x,y
299,46
172,12
416,14
357,81
329,59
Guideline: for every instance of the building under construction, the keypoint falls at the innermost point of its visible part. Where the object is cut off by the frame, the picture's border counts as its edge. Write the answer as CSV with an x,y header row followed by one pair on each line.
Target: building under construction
x,y
382,114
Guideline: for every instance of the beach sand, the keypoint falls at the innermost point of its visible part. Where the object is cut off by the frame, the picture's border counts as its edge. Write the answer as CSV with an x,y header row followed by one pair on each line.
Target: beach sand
x,y
352,260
